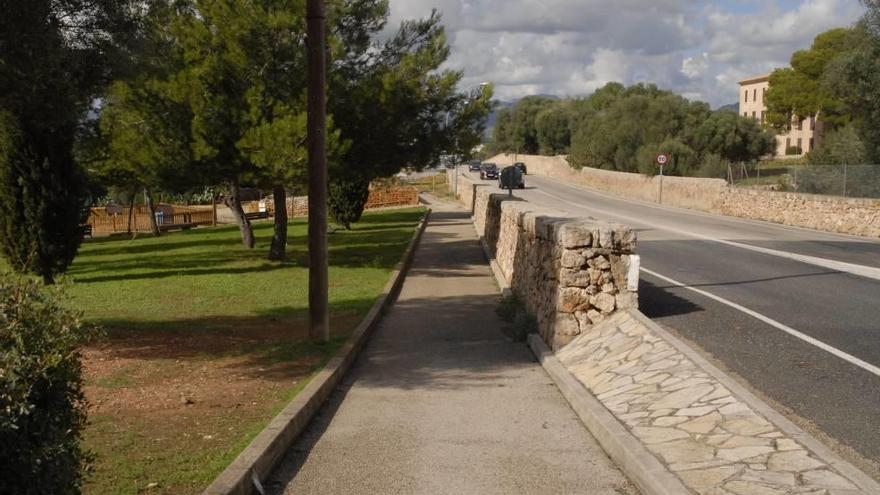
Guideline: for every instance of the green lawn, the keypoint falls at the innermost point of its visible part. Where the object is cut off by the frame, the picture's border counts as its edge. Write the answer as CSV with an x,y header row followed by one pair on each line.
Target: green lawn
x,y
205,341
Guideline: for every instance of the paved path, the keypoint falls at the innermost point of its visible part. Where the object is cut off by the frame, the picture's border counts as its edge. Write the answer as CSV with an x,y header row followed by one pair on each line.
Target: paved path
x,y
441,401
831,394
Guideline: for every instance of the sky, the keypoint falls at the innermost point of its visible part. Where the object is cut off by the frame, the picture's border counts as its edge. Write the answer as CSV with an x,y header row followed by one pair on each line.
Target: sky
x,y
699,49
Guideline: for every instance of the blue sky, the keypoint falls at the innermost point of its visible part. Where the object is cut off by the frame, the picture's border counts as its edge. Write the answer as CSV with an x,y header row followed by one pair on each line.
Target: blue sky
x,y
571,47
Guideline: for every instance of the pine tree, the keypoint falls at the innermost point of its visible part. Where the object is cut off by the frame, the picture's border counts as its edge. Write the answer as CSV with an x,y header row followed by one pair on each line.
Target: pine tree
x,y
53,58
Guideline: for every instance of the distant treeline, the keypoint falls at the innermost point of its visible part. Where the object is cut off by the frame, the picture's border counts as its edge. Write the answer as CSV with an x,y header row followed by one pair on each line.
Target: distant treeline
x,y
624,128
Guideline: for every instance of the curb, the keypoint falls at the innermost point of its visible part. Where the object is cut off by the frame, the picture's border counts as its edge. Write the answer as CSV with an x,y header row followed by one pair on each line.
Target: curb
x,y
260,457
626,450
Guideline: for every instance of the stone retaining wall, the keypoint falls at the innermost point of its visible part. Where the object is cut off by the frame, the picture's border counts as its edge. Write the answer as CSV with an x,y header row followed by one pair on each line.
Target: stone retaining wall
x,y
829,213
570,273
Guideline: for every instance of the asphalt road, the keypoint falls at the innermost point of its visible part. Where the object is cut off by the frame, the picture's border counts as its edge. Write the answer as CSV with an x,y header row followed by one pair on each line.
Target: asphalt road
x,y
793,312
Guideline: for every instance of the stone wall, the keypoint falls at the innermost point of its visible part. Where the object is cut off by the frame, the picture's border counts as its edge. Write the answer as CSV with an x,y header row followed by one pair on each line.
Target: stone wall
x,y
571,273
829,213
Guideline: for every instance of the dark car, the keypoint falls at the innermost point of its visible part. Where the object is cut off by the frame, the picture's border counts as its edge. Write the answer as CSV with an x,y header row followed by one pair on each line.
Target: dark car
x,y
521,166
474,166
489,171
511,178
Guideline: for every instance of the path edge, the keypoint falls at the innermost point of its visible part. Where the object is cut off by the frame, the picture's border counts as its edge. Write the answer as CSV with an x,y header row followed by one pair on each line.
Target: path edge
x,y
245,474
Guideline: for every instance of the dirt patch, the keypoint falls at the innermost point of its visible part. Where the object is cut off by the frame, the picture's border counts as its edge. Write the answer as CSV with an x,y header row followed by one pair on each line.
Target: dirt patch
x,y
169,410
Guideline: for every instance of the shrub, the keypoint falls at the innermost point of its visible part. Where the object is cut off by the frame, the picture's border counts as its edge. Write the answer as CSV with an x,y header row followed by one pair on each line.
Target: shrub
x,y
346,199
793,150
42,407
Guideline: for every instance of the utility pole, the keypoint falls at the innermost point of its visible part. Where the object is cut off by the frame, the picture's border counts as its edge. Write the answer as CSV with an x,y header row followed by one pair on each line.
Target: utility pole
x,y
319,313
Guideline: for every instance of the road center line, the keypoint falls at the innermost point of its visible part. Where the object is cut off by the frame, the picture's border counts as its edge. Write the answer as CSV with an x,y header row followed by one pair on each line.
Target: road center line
x,y
770,321
839,266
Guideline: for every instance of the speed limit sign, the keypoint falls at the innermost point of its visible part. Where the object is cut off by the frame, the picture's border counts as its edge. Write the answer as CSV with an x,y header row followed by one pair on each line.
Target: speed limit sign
x,y
662,159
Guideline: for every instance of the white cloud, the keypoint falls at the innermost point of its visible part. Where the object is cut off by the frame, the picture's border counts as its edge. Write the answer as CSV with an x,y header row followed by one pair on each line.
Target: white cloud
x,y
571,47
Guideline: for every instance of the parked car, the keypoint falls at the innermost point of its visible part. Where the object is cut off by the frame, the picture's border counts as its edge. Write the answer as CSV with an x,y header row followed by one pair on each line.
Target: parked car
x,y
489,171
521,166
474,166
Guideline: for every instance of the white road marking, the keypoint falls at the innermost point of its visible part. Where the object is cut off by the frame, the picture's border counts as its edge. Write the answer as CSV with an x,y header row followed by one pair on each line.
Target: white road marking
x,y
839,266
770,321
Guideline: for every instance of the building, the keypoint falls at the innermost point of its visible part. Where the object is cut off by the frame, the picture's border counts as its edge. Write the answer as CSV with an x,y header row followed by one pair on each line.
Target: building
x,y
804,135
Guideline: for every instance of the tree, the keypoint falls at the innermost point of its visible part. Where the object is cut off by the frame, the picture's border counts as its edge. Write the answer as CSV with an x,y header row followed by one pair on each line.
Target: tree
x,y
798,91
625,128
733,137
553,128
146,131
391,102
54,57
855,79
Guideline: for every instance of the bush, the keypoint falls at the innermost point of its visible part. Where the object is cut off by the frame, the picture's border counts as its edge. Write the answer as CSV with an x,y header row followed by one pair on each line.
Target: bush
x,y
42,407
793,150
347,198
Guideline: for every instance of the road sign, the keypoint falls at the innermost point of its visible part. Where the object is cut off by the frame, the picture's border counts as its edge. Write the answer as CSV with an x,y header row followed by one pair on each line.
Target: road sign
x,y
662,159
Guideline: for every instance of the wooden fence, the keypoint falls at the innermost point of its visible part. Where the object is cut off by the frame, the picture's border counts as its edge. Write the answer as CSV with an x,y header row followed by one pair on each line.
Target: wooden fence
x,y
106,221
298,206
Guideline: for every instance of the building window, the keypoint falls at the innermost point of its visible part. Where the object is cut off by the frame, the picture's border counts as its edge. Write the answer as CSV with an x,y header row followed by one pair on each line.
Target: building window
x,y
812,144
755,94
799,143
763,116
747,96
813,123
787,143
745,114
800,124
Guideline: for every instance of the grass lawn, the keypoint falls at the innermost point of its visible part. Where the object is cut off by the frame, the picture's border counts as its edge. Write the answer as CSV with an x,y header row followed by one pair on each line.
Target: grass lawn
x,y
205,341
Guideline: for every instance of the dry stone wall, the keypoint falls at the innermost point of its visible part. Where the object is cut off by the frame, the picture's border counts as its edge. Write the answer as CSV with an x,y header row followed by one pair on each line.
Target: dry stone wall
x,y
829,213
571,273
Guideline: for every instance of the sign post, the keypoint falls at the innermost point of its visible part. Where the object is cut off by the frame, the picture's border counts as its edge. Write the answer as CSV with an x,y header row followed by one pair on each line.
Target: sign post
x,y
662,160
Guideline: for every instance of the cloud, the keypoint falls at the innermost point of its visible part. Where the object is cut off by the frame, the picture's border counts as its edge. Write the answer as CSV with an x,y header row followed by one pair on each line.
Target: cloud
x,y
571,47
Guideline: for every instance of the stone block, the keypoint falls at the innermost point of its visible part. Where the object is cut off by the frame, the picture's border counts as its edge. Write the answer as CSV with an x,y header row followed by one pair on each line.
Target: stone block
x,y
574,235
572,299
574,278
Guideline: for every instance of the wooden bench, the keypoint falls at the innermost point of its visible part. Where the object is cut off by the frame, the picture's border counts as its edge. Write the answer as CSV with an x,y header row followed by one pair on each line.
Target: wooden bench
x,y
257,215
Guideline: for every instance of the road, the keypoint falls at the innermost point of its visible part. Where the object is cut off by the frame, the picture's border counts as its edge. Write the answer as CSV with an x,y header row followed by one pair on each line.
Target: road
x,y
794,313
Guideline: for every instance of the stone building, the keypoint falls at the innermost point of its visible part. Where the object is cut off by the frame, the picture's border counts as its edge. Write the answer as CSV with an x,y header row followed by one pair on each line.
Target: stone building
x,y
805,135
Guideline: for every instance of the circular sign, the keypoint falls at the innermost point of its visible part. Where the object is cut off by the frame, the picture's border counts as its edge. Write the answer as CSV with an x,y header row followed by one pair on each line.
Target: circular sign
x,y
662,159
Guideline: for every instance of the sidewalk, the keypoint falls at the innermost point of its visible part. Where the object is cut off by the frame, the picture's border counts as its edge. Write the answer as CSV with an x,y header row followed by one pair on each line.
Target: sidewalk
x,y
441,401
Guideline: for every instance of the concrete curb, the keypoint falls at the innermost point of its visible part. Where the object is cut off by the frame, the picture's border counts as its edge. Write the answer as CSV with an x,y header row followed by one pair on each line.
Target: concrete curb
x,y
623,447
862,480
258,459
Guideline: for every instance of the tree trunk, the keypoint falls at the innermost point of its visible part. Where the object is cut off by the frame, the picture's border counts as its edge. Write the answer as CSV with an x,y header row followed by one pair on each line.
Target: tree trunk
x,y
278,251
151,209
233,201
131,214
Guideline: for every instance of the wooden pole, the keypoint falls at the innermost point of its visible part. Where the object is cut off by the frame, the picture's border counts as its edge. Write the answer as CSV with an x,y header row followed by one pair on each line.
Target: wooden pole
x,y
319,315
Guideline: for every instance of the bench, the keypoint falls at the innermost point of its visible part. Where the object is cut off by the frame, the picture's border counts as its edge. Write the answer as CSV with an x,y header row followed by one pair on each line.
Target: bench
x,y
86,230
257,215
